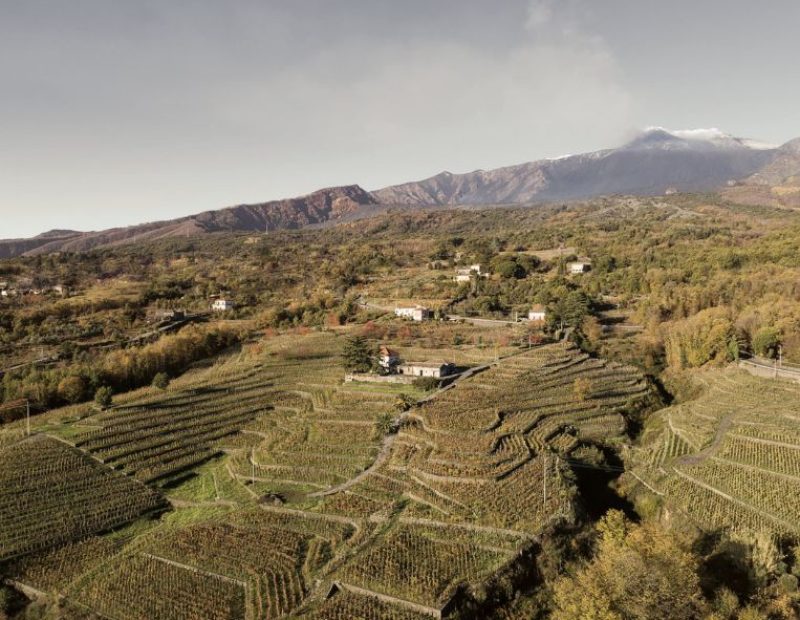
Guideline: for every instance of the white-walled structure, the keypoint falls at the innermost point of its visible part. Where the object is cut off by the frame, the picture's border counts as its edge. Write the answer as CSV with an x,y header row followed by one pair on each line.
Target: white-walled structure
x,y
426,369
415,313
221,305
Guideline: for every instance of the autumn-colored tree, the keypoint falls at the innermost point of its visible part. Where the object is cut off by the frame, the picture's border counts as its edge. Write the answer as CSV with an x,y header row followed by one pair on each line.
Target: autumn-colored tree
x,y
639,572
72,388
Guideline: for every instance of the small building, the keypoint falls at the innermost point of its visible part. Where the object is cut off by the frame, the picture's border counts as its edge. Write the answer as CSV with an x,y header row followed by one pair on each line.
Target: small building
x,y
537,313
221,305
167,315
579,266
436,370
415,313
465,274
388,358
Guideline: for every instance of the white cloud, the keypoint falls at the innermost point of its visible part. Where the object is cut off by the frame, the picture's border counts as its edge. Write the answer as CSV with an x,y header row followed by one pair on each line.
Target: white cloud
x,y
416,111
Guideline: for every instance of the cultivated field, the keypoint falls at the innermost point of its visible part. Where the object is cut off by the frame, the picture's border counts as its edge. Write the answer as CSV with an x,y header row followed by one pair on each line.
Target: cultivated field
x,y
52,494
282,492
730,457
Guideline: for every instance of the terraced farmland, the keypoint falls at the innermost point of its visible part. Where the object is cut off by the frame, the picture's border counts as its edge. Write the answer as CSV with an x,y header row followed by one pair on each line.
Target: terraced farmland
x,y
729,458
51,494
391,526
160,437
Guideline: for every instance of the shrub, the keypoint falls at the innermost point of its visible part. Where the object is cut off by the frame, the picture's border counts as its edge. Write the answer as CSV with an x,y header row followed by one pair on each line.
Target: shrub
x,y
426,383
384,424
161,381
766,342
103,396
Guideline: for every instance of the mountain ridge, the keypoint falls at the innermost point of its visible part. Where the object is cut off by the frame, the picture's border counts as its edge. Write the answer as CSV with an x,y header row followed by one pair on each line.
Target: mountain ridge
x,y
656,161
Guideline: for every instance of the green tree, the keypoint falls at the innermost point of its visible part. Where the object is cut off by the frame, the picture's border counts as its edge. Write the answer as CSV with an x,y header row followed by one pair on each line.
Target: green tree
x,y
766,341
104,396
161,381
357,355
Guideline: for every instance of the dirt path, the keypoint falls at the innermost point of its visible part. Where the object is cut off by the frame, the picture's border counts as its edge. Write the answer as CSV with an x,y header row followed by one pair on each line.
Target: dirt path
x,y
711,450
383,455
389,440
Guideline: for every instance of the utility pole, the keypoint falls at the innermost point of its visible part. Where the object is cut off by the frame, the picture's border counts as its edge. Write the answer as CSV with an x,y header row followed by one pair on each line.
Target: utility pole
x,y
780,355
253,465
28,416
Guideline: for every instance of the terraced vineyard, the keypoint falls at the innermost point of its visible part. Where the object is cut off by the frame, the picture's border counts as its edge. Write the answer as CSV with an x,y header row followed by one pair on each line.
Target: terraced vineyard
x,y
159,437
51,494
729,458
471,465
303,498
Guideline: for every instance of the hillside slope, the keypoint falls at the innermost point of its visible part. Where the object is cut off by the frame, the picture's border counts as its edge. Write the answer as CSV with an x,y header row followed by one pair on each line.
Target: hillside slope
x,y
652,163
318,207
729,458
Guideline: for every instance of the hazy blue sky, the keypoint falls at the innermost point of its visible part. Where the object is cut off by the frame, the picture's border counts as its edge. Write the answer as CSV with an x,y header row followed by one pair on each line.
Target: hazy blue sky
x,y
115,112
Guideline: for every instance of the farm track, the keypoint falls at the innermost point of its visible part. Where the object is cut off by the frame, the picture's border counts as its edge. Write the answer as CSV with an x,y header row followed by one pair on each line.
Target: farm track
x,y
699,458
386,447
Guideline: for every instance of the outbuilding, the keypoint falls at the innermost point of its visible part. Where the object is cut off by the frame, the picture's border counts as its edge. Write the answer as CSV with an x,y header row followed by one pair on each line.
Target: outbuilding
x,y
537,313
221,305
415,313
579,266
436,370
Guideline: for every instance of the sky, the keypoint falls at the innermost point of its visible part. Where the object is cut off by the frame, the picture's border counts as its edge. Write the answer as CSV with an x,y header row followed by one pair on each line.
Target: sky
x,y
117,112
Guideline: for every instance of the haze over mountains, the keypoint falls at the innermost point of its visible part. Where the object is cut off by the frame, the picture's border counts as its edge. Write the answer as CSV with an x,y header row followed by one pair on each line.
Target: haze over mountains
x,y
655,162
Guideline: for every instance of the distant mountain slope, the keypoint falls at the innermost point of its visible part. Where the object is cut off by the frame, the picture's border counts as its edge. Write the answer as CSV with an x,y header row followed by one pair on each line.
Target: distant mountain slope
x,y
14,247
654,162
318,207
775,185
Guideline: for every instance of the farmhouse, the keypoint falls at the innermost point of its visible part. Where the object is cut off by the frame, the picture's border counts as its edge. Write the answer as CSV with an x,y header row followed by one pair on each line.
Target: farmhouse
x,y
579,266
465,274
415,313
426,369
221,305
388,358
537,313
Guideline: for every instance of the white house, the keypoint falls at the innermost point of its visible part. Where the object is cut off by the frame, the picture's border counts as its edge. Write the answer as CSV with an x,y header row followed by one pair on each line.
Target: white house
x,y
465,273
388,358
415,313
579,266
221,305
537,313
426,369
